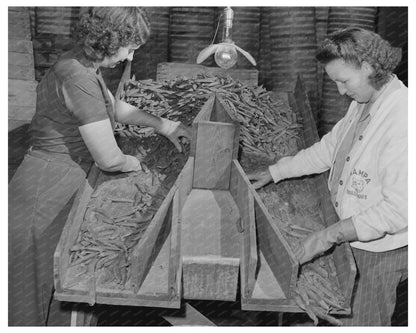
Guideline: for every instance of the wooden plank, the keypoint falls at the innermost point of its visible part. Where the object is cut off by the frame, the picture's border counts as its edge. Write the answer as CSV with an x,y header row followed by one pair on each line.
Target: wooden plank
x,y
175,262
222,113
203,115
19,24
191,317
156,234
20,46
206,110
214,148
149,246
17,9
22,113
83,315
184,182
266,286
210,245
209,221
278,305
22,93
210,278
239,189
119,298
272,305
156,279
24,60
171,70
21,72
275,248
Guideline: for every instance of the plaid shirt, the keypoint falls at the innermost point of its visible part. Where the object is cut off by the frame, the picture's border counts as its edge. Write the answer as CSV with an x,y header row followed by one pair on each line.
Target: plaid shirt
x,y
71,94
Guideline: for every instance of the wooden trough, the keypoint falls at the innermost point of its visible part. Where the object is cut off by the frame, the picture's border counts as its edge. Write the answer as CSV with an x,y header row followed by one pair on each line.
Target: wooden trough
x,y
211,239
264,294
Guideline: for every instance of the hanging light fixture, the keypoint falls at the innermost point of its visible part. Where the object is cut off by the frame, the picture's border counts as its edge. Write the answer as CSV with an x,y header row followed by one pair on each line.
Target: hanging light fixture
x,y
226,51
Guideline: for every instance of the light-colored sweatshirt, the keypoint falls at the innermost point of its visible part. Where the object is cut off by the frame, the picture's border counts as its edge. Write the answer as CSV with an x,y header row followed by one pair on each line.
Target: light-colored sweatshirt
x,y
373,191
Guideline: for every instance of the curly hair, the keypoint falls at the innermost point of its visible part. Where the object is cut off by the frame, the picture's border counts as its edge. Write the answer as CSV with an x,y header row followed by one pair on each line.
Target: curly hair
x,y
103,30
355,45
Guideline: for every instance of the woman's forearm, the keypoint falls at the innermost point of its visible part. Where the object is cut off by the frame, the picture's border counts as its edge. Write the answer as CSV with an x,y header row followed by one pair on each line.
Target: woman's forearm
x,y
128,114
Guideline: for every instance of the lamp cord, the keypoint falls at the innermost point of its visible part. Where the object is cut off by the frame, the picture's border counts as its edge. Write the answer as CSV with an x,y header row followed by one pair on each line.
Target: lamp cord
x,y
216,30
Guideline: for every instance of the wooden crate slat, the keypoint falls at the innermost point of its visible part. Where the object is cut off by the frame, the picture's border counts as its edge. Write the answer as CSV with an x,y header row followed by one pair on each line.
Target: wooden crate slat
x,y
175,269
213,155
239,189
20,46
222,113
22,72
19,24
22,92
203,115
274,247
21,113
149,246
210,278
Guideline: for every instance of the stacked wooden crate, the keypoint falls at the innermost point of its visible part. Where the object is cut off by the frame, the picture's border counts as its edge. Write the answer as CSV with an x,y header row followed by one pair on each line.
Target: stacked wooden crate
x,y
22,83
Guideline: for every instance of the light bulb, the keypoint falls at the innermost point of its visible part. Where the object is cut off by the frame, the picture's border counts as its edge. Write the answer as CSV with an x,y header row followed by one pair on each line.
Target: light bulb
x,y
226,56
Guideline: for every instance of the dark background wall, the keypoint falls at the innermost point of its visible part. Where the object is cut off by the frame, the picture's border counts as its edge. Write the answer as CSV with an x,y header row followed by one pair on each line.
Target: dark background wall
x,y
283,40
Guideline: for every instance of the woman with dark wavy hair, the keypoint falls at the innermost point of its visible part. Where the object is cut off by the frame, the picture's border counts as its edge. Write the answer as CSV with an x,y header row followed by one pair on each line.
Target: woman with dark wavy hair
x,y
366,153
71,129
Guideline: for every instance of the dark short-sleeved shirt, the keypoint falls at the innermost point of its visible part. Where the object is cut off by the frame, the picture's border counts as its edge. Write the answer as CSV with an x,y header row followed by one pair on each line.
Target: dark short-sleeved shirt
x,y
71,94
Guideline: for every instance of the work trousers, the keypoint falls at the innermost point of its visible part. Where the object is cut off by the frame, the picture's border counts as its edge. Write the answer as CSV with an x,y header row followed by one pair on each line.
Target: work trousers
x,y
374,295
41,194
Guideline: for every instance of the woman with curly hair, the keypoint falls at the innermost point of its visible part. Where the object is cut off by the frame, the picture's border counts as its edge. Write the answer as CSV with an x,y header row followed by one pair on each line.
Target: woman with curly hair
x,y
366,153
71,129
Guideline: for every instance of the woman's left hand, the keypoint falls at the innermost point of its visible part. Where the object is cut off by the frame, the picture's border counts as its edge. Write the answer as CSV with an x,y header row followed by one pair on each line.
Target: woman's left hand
x,y
174,131
260,178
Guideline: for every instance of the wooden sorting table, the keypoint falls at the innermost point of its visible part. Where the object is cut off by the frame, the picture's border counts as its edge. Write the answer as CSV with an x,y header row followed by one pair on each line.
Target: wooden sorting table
x,y
212,237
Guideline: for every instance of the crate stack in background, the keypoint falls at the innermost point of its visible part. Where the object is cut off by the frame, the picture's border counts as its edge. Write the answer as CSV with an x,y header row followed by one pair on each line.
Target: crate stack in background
x,y
334,106
21,85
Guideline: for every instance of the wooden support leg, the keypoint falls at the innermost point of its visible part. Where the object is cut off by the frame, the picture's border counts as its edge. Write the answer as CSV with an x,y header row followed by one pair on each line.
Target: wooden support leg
x,y
280,318
192,318
83,315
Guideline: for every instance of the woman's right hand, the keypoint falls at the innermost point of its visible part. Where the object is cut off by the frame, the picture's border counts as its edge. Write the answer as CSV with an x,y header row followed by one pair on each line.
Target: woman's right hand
x,y
260,178
131,164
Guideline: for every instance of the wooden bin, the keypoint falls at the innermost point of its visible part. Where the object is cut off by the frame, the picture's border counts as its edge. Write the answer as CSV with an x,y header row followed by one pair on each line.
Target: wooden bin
x,y
155,263
342,255
216,169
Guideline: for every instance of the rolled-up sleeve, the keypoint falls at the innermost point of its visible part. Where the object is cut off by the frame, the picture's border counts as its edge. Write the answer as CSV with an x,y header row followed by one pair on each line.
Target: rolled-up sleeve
x,y
315,159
